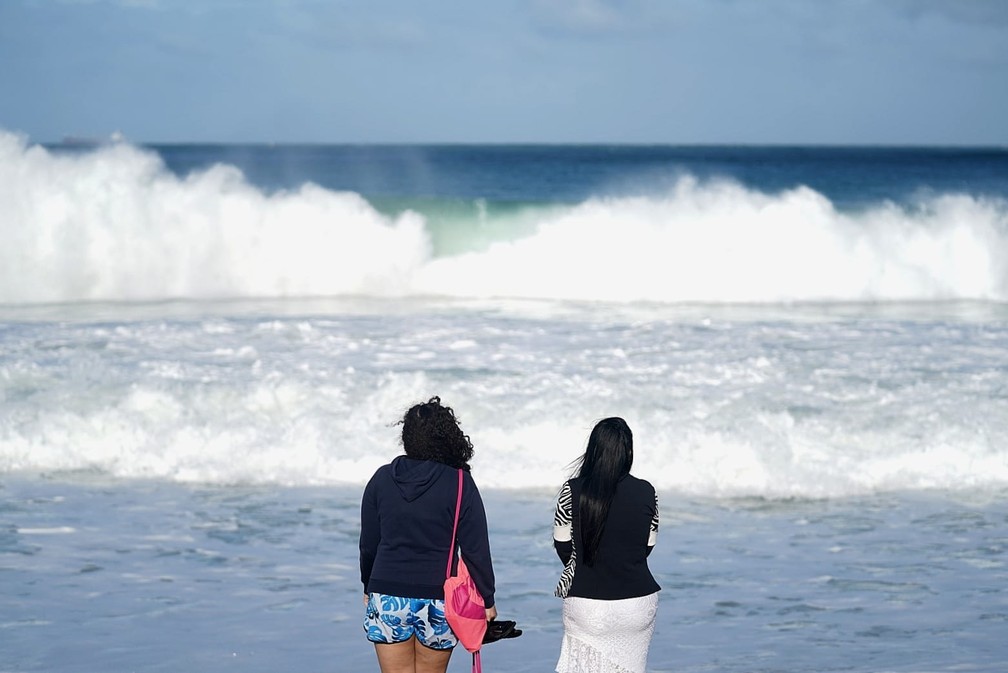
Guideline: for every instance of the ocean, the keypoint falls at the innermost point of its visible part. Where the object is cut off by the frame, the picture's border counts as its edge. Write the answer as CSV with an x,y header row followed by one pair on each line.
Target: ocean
x,y
204,350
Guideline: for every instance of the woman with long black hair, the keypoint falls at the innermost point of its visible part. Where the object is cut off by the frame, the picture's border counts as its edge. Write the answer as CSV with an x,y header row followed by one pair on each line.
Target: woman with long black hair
x,y
605,526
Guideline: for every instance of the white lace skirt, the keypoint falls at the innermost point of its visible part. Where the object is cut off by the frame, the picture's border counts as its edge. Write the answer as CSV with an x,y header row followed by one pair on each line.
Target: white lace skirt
x,y
607,636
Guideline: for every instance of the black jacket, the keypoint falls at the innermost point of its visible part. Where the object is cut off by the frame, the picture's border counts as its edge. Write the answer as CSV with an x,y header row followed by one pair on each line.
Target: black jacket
x,y
406,525
620,569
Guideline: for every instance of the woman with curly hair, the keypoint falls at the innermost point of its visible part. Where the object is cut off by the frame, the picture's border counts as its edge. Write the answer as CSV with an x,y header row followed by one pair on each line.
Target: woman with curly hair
x,y
407,514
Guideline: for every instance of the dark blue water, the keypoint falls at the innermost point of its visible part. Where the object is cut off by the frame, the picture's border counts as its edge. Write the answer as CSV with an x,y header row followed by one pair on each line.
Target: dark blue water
x,y
848,176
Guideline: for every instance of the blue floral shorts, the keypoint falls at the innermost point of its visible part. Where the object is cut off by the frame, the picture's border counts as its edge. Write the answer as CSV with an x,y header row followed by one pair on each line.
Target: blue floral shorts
x,y
393,619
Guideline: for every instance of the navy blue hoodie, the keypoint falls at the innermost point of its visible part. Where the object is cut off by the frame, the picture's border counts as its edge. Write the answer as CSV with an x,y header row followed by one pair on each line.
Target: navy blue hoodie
x,y
406,525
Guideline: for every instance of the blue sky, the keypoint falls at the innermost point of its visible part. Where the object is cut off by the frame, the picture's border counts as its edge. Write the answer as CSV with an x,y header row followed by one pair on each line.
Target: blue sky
x,y
638,71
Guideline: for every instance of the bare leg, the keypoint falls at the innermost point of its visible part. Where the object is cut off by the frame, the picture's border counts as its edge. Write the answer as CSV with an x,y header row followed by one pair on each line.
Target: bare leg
x,y
396,657
410,656
430,661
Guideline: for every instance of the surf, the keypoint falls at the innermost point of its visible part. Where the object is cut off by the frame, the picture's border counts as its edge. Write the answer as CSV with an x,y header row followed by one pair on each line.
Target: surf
x,y
115,224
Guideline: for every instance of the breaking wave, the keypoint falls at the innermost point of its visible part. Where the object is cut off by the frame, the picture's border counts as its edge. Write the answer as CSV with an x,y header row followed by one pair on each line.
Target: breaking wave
x,y
114,224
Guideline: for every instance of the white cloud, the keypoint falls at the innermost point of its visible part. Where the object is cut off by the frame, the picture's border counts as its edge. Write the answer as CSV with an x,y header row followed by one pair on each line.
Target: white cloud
x,y
966,11
582,16
131,4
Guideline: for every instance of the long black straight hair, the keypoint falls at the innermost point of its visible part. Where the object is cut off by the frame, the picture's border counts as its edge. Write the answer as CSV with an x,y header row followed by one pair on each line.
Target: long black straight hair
x,y
607,459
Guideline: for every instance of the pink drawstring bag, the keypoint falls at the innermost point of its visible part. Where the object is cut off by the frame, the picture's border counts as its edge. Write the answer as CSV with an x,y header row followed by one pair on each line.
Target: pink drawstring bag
x,y
464,607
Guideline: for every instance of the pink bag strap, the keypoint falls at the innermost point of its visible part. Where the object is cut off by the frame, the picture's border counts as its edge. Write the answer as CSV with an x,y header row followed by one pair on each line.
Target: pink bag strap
x,y
458,506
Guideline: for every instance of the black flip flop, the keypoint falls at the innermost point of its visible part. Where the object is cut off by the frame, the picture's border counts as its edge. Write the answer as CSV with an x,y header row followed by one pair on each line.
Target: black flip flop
x,y
498,630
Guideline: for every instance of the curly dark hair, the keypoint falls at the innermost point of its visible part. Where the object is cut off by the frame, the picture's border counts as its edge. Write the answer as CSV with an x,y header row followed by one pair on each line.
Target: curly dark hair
x,y
431,432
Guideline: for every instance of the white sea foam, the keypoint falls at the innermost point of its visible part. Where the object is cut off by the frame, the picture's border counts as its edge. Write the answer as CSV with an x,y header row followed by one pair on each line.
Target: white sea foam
x,y
733,408
115,224
57,530
737,401
717,242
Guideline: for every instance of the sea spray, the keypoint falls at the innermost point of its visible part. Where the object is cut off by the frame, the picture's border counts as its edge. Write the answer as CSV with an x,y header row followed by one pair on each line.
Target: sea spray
x,y
115,224
721,242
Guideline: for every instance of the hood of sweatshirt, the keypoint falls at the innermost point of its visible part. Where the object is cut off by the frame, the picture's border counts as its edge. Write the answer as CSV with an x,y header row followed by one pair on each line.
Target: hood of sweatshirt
x,y
415,477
